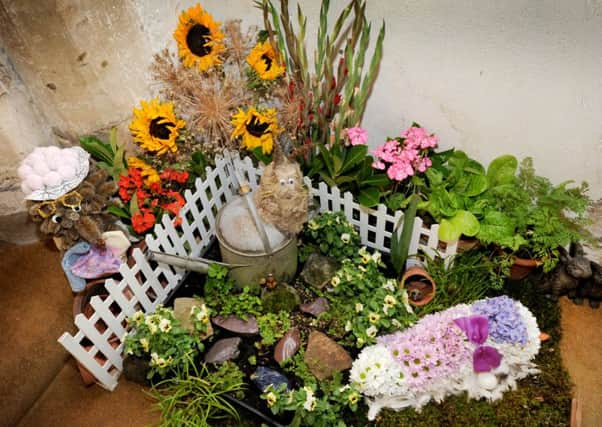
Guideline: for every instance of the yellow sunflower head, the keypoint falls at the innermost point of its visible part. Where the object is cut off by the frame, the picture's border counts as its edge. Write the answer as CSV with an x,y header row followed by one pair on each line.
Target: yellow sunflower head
x,y
257,128
264,60
150,174
155,127
199,38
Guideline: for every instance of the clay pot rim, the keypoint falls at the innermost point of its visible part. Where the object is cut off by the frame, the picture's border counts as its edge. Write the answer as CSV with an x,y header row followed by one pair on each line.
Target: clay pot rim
x,y
419,271
527,262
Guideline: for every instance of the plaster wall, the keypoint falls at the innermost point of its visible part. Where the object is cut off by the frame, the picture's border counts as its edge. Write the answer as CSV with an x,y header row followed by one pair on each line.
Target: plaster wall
x,y
489,77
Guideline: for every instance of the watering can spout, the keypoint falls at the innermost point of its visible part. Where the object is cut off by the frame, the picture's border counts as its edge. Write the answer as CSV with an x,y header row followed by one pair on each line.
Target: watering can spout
x,y
200,265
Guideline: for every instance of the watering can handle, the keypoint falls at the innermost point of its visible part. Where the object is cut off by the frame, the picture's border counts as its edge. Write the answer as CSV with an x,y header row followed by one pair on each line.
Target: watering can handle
x,y
245,191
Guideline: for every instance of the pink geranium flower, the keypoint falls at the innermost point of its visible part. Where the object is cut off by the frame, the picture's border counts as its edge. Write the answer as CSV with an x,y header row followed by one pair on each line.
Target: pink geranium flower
x,y
405,156
357,136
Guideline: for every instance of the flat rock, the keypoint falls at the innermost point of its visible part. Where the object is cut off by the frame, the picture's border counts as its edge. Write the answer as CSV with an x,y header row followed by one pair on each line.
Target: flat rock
x,y
264,377
316,307
318,270
282,298
181,311
324,356
288,345
223,350
237,325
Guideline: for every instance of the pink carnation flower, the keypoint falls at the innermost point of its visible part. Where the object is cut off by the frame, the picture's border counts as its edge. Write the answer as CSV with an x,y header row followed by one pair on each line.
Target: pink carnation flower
x,y
357,136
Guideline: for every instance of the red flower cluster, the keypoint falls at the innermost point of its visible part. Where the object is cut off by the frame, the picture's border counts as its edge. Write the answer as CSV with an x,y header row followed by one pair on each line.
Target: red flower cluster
x,y
155,199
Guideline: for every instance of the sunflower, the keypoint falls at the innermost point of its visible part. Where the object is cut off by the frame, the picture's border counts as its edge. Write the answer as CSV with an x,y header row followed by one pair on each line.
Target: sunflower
x,y
199,39
257,128
264,60
150,174
155,127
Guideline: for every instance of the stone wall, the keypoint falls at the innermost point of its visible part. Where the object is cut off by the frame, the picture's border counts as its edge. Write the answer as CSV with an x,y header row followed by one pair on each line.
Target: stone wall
x,y
489,77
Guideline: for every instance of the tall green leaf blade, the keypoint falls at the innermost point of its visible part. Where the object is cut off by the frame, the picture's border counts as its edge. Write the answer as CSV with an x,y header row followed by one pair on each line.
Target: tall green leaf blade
x,y
354,157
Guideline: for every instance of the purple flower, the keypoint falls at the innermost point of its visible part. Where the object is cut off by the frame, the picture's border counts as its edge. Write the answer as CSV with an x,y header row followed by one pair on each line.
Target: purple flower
x,y
505,323
486,358
475,327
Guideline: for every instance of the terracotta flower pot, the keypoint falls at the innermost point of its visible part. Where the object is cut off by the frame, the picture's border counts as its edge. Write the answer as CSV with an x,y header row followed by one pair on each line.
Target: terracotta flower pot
x,y
420,286
522,267
81,305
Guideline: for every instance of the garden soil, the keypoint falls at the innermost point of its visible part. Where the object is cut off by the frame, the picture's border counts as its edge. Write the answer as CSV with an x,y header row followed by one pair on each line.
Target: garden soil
x,y
40,385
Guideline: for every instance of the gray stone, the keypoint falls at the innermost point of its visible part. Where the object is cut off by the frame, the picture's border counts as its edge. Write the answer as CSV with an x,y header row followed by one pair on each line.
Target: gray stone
x,y
223,350
282,298
316,307
318,270
237,325
288,345
324,357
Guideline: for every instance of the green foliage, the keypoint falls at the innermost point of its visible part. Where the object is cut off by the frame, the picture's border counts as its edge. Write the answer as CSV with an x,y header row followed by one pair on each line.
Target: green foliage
x,y
220,293
109,155
454,191
349,169
272,326
160,337
400,243
313,406
296,365
372,304
197,166
195,397
330,234
529,214
335,91
471,275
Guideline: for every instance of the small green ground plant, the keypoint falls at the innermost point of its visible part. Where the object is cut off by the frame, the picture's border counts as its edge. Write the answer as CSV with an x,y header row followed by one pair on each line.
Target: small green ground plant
x,y
195,396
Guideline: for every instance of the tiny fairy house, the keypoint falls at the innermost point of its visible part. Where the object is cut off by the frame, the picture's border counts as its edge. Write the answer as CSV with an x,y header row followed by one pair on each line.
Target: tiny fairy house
x,y
254,228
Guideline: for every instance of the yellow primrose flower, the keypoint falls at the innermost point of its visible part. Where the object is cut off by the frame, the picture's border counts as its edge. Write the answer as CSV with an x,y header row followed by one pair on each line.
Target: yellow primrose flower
x,y
165,325
353,398
271,398
373,317
335,281
359,307
145,344
372,331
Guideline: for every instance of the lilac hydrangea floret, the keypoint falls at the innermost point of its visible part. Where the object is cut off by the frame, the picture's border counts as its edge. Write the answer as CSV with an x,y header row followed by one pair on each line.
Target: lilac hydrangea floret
x,y
505,322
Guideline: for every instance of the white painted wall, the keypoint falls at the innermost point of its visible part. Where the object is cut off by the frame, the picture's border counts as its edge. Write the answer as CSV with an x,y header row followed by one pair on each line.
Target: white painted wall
x,y
488,76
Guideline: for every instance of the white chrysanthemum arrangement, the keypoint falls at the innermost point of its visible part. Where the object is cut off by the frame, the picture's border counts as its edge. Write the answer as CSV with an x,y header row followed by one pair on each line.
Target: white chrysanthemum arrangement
x,y
482,349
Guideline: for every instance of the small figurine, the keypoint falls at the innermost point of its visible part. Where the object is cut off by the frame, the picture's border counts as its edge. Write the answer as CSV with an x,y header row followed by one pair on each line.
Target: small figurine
x,y
564,278
67,195
281,198
590,288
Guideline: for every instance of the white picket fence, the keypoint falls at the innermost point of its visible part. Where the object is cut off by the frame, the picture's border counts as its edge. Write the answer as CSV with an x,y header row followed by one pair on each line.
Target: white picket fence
x,y
98,346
